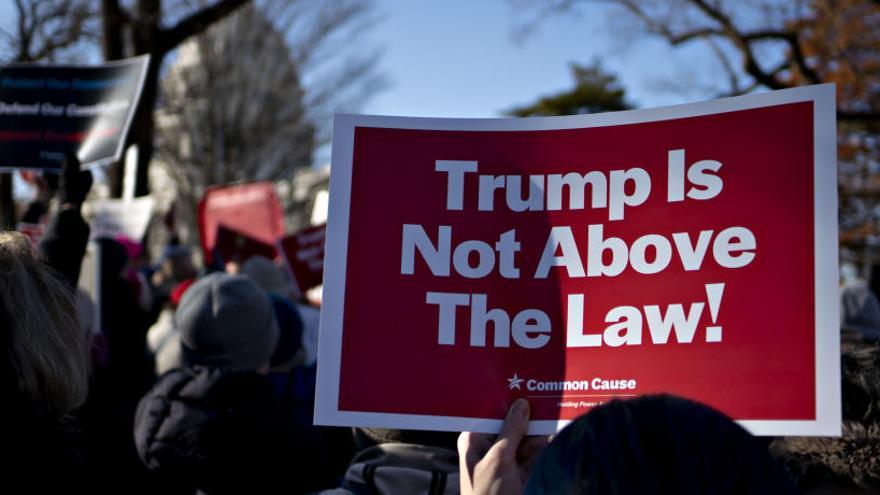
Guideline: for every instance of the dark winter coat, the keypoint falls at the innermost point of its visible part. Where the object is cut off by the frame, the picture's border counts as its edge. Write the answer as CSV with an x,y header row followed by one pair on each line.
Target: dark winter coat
x,y
220,432
44,455
64,244
36,444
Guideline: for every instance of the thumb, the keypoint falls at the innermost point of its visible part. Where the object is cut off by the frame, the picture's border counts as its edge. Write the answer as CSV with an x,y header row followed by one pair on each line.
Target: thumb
x,y
515,426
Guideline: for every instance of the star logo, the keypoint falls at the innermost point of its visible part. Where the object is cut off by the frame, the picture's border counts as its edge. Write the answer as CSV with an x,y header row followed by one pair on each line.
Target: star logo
x,y
514,383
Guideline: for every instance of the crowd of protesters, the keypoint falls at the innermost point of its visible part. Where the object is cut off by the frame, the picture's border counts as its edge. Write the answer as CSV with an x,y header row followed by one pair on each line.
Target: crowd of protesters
x,y
203,381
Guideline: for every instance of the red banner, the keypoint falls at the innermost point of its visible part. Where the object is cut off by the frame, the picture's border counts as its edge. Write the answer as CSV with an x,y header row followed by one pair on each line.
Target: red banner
x,y
232,245
688,250
253,210
304,252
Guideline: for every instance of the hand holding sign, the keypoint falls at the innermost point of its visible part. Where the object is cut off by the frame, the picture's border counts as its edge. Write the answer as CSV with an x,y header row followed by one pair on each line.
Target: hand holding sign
x,y
499,465
74,185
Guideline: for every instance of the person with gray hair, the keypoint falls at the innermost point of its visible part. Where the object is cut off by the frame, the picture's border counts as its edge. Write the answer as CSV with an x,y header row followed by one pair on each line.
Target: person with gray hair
x,y
859,308
44,370
44,373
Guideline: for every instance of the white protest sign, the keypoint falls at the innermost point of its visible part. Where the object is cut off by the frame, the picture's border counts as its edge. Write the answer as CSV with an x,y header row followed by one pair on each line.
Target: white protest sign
x,y
114,217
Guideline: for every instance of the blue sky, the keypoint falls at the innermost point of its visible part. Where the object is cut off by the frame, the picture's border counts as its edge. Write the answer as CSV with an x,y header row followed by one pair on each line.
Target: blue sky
x,y
460,58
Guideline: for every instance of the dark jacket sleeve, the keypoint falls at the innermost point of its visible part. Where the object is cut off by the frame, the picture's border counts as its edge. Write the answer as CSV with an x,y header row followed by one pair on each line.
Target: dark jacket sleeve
x,y
64,244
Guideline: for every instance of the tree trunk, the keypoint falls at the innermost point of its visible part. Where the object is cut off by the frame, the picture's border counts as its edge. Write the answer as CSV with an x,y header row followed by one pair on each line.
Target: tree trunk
x,y
148,38
143,127
113,48
145,40
112,22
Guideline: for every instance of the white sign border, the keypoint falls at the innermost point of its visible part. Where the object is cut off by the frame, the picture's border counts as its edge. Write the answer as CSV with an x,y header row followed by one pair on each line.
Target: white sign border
x,y
825,232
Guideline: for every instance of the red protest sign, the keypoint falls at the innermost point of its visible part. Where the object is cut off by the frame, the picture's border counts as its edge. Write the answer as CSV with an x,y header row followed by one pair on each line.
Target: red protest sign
x,y
232,245
304,252
688,250
251,209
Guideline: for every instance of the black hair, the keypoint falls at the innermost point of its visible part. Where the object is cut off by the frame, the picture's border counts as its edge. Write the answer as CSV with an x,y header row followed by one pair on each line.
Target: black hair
x,y
850,460
656,445
860,384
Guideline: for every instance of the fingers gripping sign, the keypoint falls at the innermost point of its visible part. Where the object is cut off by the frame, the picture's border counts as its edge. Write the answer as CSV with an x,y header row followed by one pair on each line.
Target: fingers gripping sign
x,y
499,465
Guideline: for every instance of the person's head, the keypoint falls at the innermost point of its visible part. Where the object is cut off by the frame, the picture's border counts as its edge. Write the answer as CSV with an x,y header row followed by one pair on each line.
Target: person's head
x,y
268,276
226,321
849,274
656,444
290,327
849,463
859,311
46,350
860,383
176,263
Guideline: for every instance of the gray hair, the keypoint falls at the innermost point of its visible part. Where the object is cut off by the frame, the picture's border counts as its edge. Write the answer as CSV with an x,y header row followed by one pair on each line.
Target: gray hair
x,y
46,347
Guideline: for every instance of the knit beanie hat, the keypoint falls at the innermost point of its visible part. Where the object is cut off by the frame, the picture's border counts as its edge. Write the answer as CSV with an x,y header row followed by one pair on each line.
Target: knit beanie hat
x,y
267,275
290,327
226,321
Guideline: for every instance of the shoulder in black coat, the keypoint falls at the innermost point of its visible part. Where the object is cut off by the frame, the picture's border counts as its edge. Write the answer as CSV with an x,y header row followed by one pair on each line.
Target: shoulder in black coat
x,y
220,432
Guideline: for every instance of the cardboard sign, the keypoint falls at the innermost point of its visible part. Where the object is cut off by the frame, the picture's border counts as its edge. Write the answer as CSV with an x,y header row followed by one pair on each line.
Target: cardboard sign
x,y
232,245
127,217
47,110
251,209
304,252
688,250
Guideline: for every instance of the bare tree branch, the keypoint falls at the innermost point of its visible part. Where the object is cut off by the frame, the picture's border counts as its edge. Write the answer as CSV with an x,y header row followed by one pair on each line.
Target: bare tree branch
x,y
798,59
234,108
750,62
197,23
46,28
811,41
727,65
113,18
719,25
